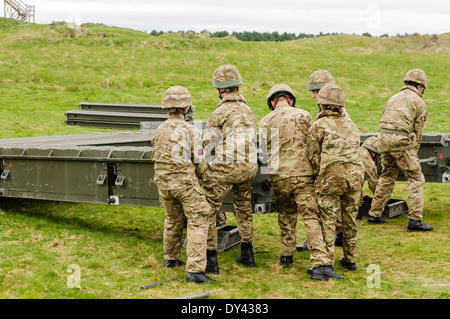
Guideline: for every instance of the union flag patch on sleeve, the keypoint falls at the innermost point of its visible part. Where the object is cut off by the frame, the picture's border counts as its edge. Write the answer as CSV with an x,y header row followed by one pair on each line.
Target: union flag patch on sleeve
x,y
425,118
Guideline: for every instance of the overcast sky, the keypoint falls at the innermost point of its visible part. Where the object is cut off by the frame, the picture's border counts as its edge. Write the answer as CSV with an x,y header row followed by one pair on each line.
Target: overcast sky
x,y
293,16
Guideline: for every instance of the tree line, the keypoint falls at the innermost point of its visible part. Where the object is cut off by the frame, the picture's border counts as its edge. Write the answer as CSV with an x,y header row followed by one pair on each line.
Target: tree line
x,y
254,35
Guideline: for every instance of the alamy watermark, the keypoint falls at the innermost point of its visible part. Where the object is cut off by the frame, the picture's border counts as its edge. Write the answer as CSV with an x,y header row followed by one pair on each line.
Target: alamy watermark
x,y
73,20
74,280
374,279
373,20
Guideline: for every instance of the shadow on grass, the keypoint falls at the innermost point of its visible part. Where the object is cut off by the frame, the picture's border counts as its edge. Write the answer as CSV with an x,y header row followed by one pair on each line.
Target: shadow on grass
x,y
51,211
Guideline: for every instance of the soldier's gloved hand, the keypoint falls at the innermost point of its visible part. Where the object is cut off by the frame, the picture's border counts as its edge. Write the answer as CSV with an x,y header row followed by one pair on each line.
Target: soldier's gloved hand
x,y
367,199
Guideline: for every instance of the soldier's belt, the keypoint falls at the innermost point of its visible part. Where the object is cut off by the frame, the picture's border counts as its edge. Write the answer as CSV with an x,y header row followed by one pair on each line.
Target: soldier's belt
x,y
389,131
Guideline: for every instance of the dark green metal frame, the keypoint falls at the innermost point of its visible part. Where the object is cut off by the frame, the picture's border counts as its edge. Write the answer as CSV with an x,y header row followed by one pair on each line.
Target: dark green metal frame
x,y
116,168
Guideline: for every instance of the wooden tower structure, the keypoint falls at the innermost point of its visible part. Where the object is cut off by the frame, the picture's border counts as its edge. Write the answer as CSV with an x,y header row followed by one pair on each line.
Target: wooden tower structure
x,y
17,10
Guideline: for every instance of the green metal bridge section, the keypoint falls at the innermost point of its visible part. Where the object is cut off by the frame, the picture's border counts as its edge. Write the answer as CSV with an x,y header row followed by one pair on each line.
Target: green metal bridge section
x,y
116,168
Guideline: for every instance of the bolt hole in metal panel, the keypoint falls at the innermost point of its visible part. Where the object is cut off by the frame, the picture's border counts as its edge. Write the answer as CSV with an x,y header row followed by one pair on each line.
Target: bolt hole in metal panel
x,y
4,175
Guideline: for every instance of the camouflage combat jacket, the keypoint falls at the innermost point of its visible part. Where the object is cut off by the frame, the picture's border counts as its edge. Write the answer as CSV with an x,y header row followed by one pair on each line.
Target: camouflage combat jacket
x,y
229,138
404,112
178,155
283,133
333,139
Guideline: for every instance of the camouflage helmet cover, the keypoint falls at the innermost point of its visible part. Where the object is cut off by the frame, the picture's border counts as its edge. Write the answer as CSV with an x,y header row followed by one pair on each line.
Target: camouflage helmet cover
x,y
226,76
331,94
371,144
417,76
176,97
318,79
278,88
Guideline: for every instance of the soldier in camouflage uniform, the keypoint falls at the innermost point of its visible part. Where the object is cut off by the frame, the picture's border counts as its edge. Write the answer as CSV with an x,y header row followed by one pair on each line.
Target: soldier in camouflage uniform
x,y
179,164
315,82
369,156
401,128
318,79
333,149
229,140
283,134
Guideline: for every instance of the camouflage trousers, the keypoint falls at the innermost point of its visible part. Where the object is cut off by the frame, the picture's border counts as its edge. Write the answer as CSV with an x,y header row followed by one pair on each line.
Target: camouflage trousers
x,y
408,162
339,194
338,224
217,183
293,196
221,218
191,204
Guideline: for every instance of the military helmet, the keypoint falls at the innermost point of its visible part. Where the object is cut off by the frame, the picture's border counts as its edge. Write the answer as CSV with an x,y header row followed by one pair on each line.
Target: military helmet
x,y
331,94
319,79
417,76
371,144
176,97
226,76
279,89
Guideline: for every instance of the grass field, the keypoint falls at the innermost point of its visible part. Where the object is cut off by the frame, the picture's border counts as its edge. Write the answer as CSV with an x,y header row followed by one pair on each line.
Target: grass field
x,y
46,70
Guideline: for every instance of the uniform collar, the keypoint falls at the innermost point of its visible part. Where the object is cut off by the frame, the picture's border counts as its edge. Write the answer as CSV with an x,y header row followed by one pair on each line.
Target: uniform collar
x,y
232,97
412,88
328,113
283,106
174,117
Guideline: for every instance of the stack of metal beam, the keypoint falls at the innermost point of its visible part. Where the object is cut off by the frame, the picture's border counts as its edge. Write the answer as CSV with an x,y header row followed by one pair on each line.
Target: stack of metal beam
x,y
118,116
